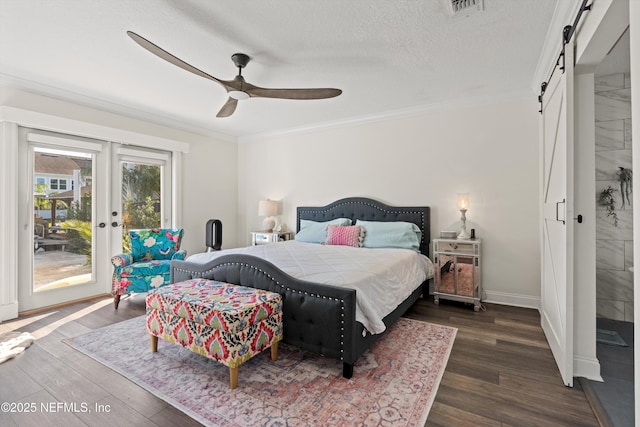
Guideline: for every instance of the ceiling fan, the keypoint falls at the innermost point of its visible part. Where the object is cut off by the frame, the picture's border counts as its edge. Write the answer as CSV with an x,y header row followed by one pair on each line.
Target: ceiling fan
x,y
237,88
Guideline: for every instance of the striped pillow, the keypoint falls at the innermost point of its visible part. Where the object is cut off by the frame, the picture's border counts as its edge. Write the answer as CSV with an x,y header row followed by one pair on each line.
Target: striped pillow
x,y
345,235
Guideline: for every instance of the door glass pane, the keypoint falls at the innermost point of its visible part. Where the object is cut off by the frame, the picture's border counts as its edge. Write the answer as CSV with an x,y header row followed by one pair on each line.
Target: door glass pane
x,y
62,209
141,199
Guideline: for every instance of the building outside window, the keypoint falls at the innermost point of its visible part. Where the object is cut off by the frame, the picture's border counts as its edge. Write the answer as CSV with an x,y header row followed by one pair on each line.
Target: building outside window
x,y
58,184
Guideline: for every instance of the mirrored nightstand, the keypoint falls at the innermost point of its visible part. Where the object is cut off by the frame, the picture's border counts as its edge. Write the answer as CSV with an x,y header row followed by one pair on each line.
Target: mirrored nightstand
x,y
457,275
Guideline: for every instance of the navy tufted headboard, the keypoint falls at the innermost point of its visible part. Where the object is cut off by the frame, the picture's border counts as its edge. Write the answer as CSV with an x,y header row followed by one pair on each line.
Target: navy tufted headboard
x,y
370,210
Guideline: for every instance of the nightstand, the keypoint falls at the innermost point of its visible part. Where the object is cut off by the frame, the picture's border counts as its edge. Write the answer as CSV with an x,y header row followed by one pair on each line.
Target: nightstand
x,y
458,273
264,237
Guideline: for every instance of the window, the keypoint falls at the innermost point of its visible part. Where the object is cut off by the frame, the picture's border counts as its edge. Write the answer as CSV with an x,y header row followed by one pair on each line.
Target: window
x,y
58,184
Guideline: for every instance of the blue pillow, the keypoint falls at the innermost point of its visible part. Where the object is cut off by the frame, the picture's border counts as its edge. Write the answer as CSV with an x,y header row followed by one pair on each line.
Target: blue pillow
x,y
316,232
393,234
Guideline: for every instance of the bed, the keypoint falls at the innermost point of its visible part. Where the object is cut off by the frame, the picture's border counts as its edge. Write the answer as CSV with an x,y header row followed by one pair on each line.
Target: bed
x,y
319,316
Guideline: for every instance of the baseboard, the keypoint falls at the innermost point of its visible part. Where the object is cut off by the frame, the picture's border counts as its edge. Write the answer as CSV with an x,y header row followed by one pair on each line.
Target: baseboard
x,y
516,300
9,311
588,368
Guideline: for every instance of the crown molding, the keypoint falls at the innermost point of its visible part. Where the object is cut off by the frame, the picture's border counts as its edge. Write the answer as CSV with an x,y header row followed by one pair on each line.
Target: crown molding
x,y
113,108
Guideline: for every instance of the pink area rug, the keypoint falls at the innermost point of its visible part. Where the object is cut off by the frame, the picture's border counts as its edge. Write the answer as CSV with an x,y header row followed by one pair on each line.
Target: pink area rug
x,y
394,383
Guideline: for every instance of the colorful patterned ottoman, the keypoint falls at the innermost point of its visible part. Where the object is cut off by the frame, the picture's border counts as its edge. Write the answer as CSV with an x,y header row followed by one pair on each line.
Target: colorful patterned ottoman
x,y
225,322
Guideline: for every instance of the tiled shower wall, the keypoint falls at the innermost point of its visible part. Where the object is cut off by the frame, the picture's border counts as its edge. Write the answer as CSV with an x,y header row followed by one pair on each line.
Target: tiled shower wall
x,y
614,245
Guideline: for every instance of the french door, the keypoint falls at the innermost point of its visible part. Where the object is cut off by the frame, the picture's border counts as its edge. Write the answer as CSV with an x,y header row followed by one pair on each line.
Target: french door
x,y
141,196
556,302
72,212
62,243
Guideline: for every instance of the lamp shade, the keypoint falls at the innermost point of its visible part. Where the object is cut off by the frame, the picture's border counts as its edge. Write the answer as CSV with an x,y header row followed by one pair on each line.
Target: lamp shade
x,y
463,201
267,208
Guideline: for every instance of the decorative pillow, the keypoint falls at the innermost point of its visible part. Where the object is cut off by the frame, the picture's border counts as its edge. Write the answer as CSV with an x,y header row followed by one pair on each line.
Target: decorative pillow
x,y
316,232
345,235
155,243
392,234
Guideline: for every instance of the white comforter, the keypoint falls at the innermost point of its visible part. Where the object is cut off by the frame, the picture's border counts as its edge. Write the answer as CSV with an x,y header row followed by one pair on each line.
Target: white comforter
x,y
383,278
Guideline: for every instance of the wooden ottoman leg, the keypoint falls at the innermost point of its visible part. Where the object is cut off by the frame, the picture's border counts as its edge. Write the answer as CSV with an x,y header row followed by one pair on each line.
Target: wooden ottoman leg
x,y
274,351
154,344
116,301
233,375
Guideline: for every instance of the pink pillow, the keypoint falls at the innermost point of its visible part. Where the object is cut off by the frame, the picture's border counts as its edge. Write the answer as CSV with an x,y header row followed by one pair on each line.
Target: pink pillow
x,y
345,235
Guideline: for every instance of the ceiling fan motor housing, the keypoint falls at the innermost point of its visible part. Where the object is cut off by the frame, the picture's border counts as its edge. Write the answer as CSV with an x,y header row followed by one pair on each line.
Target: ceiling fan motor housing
x,y
240,59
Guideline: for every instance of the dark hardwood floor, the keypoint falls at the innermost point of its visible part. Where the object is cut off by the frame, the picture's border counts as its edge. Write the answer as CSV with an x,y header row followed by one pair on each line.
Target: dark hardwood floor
x,y
500,373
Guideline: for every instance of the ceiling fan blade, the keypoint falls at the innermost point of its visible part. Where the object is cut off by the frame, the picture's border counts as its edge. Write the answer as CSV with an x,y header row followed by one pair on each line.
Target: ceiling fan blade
x,y
317,93
238,88
228,108
161,53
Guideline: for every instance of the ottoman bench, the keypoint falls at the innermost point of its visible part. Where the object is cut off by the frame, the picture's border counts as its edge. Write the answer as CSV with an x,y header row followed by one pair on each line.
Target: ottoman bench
x,y
225,322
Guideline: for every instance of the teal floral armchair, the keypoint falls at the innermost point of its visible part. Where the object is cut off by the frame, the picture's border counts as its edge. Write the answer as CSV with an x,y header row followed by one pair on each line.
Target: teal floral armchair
x,y
147,266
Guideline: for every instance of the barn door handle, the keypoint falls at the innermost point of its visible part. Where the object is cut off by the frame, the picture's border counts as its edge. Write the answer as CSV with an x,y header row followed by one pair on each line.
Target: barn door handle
x,y
557,211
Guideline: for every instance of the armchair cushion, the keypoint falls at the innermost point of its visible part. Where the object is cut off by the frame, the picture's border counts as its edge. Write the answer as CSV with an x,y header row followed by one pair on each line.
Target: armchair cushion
x,y
145,275
156,243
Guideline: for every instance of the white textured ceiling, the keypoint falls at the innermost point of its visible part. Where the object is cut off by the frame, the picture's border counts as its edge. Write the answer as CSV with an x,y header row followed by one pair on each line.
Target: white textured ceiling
x,y
387,56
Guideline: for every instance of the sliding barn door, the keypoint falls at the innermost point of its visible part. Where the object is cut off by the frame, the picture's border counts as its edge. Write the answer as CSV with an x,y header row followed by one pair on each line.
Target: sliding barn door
x,y
557,217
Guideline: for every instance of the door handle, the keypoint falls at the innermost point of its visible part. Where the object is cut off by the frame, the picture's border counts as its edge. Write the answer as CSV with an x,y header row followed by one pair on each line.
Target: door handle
x,y
115,224
102,225
557,214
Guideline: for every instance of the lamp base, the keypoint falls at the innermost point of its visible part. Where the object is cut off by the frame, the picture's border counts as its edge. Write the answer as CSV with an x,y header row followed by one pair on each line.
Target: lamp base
x,y
268,224
464,235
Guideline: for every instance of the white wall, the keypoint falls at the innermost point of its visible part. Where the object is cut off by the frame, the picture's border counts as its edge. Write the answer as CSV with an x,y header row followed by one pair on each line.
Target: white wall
x,y
490,151
210,190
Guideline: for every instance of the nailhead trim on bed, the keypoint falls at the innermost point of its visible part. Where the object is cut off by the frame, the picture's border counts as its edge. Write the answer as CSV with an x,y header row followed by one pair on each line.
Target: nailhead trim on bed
x,y
242,264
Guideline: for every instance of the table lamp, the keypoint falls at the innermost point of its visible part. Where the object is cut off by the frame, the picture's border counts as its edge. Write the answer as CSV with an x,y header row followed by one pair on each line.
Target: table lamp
x,y
268,208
